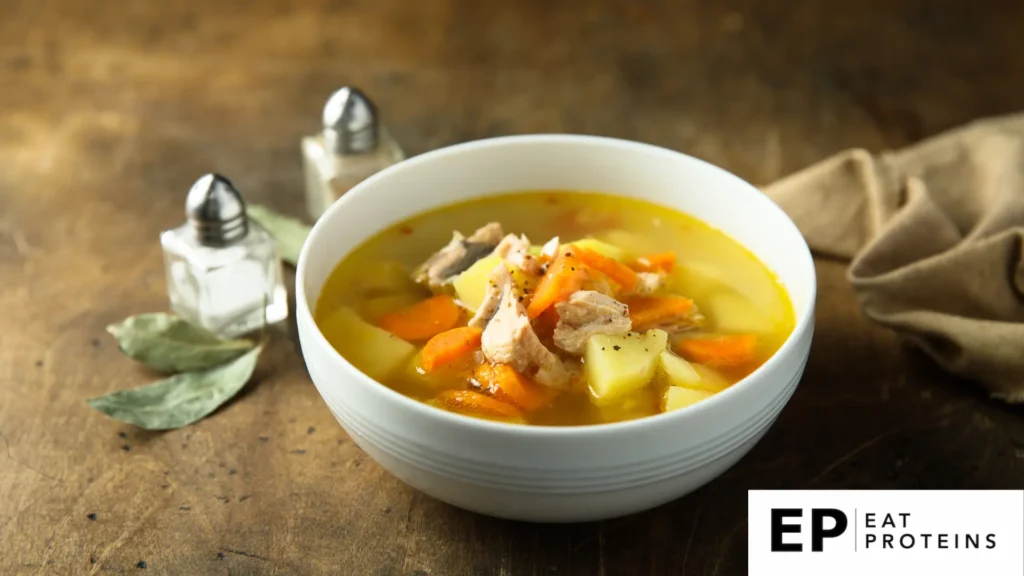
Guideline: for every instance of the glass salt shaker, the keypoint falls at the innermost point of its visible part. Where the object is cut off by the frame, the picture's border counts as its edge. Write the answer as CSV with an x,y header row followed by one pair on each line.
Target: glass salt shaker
x,y
223,270
352,146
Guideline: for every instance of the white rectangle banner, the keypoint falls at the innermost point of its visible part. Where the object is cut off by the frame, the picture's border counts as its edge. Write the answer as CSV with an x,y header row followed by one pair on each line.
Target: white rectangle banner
x,y
882,532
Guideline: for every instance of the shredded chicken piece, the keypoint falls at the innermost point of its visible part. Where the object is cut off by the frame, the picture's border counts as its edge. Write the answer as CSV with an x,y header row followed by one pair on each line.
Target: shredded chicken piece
x,y
516,251
509,339
691,320
688,320
499,278
550,249
557,374
648,283
585,314
457,256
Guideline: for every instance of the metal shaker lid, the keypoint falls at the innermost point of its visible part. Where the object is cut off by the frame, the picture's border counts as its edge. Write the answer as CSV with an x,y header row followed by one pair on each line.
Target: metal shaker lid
x,y
216,211
350,122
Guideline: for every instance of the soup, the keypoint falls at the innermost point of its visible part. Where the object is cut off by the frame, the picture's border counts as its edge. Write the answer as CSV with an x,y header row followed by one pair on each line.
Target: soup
x,y
554,308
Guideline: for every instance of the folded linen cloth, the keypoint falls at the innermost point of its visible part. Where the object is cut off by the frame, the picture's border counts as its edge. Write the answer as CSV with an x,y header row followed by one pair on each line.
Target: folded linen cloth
x,y
935,232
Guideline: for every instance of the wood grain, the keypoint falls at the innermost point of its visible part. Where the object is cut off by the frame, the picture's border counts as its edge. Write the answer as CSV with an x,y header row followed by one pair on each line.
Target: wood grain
x,y
109,111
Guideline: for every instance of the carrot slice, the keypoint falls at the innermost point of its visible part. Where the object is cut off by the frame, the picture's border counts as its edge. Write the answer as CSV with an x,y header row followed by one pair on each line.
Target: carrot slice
x,y
469,402
565,276
423,319
449,346
661,262
650,311
621,274
504,383
729,351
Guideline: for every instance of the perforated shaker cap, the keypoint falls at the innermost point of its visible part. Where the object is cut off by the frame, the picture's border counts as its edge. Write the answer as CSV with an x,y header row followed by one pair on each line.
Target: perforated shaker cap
x,y
350,122
216,211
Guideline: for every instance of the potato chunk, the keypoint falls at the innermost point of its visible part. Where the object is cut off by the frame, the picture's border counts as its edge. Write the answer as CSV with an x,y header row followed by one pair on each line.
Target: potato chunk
x,y
471,285
376,308
682,374
732,313
374,351
639,404
602,248
630,244
382,279
710,379
616,365
677,397
678,371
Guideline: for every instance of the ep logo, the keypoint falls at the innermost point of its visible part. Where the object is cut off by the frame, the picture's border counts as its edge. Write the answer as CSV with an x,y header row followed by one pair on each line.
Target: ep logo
x,y
790,521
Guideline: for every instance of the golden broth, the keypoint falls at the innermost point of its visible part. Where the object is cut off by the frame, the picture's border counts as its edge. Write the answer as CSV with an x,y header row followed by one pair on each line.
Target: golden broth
x,y
732,289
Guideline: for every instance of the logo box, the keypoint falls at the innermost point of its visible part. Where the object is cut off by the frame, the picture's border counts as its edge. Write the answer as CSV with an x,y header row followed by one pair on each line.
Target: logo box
x,y
881,532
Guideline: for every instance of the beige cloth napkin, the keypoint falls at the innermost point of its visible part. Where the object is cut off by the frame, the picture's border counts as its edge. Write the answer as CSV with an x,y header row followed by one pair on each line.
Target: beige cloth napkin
x,y
935,232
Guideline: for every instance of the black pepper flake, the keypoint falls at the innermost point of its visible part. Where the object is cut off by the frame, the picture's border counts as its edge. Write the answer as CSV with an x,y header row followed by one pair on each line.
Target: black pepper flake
x,y
232,472
185,508
298,451
572,268
142,564
616,348
602,348
91,516
264,438
310,430
95,342
243,497
92,559
39,363
646,350
122,434
126,447
220,556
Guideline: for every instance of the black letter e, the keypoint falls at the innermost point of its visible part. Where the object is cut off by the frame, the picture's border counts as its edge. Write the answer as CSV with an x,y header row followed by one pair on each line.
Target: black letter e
x,y
779,528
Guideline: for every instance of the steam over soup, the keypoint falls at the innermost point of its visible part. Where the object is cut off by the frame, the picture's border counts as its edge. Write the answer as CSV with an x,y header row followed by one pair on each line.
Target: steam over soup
x,y
557,308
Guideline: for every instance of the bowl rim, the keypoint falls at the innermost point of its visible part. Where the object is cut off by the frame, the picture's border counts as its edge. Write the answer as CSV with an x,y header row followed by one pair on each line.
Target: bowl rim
x,y
804,316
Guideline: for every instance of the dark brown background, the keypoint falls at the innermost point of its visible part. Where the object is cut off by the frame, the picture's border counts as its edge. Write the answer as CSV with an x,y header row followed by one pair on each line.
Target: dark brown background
x,y
109,111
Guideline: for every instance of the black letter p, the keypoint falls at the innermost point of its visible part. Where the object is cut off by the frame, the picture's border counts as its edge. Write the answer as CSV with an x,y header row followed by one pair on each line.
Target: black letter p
x,y
818,532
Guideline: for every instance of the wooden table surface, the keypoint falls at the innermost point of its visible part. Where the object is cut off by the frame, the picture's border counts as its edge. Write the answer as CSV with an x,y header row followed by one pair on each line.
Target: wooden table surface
x,y
109,111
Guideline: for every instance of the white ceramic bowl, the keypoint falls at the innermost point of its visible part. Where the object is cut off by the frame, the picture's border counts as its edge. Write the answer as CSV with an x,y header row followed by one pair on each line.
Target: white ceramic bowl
x,y
556,474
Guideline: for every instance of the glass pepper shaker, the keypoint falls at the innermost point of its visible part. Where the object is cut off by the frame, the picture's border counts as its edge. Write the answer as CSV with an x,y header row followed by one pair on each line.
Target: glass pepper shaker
x,y
223,270
352,146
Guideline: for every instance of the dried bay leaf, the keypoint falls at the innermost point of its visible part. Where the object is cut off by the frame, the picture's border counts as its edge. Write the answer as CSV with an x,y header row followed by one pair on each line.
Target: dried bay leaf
x,y
181,399
290,233
169,344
